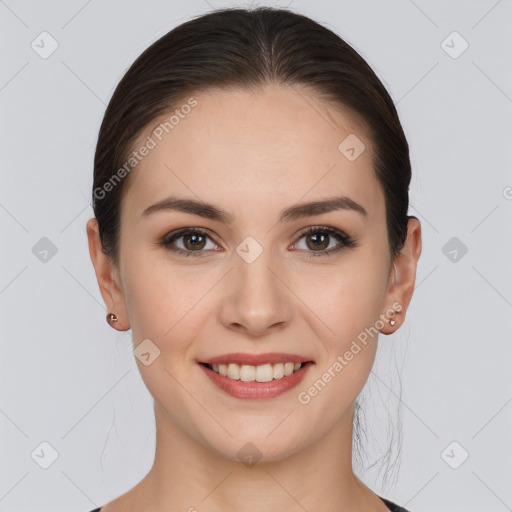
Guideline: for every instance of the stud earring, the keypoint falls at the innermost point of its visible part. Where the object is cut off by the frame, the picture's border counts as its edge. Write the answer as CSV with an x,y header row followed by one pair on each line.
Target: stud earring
x,y
111,318
392,322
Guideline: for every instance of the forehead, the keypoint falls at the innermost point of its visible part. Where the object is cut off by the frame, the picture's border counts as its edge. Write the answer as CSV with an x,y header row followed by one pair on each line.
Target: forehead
x,y
252,149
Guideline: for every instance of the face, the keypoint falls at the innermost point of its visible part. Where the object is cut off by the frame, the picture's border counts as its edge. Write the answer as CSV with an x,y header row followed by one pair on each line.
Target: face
x,y
255,282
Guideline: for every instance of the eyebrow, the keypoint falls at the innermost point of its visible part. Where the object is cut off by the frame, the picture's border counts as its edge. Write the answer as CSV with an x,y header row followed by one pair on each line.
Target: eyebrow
x,y
294,212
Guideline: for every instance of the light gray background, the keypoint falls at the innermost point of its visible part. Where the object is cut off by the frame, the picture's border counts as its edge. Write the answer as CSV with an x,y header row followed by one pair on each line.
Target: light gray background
x,y
70,380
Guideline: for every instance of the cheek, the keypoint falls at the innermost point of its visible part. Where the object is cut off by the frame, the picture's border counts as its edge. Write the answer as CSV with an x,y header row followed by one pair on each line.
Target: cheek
x,y
349,309
158,295
344,306
347,297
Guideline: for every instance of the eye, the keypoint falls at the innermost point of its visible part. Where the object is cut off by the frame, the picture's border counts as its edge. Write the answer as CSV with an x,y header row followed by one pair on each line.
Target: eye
x,y
194,240
319,238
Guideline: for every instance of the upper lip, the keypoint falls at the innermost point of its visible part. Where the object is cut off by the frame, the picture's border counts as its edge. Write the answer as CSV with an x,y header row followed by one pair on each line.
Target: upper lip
x,y
256,359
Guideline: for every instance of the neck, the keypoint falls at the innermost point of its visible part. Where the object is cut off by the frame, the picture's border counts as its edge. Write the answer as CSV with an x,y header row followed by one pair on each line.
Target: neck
x,y
188,476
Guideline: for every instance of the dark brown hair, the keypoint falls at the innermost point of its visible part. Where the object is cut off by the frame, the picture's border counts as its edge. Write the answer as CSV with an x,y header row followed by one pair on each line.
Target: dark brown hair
x,y
245,49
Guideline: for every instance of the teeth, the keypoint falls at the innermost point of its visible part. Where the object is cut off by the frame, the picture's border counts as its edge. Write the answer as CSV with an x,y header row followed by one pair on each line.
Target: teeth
x,y
249,373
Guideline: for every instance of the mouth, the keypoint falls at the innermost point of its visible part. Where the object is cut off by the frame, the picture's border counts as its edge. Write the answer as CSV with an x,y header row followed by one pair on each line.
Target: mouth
x,y
256,382
251,373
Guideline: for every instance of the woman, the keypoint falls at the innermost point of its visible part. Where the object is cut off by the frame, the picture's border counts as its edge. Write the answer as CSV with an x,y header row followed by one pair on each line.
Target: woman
x,y
250,195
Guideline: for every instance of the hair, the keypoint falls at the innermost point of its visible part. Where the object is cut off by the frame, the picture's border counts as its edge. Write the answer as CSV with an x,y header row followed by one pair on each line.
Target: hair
x,y
246,49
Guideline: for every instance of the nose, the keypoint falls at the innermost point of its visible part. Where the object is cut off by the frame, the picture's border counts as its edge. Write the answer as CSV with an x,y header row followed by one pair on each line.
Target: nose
x,y
256,298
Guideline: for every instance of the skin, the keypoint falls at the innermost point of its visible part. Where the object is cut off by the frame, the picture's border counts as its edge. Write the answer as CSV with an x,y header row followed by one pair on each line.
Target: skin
x,y
253,154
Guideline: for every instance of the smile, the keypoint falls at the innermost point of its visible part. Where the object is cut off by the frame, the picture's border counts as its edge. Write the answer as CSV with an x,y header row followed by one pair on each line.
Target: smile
x,y
256,382
250,373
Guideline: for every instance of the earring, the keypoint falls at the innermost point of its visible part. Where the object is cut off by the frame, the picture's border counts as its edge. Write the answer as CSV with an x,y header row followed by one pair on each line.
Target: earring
x,y
111,318
392,322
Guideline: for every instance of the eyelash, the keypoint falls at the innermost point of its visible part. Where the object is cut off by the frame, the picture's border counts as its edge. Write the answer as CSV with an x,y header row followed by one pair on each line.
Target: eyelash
x,y
345,240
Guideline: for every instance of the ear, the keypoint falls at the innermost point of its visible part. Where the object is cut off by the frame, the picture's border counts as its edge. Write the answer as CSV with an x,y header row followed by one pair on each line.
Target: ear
x,y
107,275
403,276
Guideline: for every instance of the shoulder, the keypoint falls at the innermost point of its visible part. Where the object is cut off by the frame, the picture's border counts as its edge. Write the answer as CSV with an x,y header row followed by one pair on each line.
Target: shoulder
x,y
392,506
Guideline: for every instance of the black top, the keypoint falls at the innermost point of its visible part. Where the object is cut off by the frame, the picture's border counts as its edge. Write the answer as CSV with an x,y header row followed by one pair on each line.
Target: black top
x,y
392,506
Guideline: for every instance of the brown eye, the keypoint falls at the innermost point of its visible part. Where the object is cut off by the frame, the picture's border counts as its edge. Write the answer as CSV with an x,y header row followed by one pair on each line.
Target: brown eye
x,y
194,241
318,241
319,238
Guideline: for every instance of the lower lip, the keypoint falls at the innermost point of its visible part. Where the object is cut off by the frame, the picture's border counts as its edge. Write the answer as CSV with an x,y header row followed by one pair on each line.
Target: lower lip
x,y
256,390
